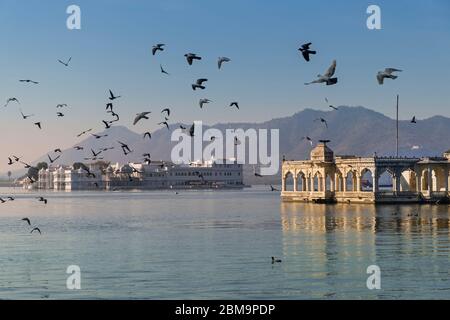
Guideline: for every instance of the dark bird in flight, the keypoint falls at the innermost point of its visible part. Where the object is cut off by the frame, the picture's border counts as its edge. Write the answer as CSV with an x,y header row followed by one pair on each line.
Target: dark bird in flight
x,y
148,134
97,136
95,154
107,125
10,198
167,110
38,124
221,60
308,139
60,114
413,120
65,63
322,120
61,105
31,179
140,116
11,100
42,199
182,127
112,96
202,102
190,57
124,147
235,104
58,150
16,158
304,49
10,162
109,106
78,148
276,260
29,81
146,155
330,106
387,73
163,71
84,132
273,189
164,123
258,175
27,220
2,201
158,47
24,117
192,130
327,77
199,84
36,229
53,160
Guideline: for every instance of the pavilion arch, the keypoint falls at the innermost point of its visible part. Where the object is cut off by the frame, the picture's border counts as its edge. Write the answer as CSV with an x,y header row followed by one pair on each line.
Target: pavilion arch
x,y
350,181
367,180
329,182
438,179
408,180
386,180
317,182
301,181
288,181
339,181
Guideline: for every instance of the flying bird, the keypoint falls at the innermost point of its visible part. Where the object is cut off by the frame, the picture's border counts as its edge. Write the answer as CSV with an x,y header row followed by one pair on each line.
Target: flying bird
x,y
327,77
98,136
65,63
167,110
329,105
84,132
140,116
234,104
157,47
190,57
53,160
164,123
163,71
60,114
413,120
322,120
112,96
78,148
275,260
107,125
147,134
36,229
221,60
387,73
61,105
199,84
11,100
29,81
273,189
308,139
42,199
192,130
38,124
25,116
27,221
202,102
58,150
304,49
10,162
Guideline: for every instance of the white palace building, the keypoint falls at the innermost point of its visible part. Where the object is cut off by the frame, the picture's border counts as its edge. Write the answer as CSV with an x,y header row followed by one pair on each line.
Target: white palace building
x,y
154,175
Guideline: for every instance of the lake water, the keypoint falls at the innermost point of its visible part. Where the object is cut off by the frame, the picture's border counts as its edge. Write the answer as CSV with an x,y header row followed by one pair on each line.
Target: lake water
x,y
217,245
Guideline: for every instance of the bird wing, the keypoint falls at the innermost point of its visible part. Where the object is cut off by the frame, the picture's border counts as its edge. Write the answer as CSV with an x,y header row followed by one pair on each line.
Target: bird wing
x,y
200,81
391,70
111,94
305,55
154,50
331,70
380,78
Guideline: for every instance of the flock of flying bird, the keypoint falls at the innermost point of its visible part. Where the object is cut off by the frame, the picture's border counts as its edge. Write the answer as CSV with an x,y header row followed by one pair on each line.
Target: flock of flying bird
x,y
327,78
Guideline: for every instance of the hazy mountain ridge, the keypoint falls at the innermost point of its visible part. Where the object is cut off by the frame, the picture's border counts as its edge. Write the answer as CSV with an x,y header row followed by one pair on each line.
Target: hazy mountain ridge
x,y
352,130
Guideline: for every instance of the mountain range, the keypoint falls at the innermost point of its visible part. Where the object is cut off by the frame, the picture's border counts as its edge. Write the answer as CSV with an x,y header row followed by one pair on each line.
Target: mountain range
x,y
351,130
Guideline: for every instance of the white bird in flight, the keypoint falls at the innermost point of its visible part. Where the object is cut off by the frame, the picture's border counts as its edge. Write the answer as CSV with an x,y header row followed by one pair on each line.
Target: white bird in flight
x,y
387,73
327,77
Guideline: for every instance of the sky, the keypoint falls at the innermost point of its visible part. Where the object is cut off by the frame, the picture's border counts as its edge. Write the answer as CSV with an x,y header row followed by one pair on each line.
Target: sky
x,y
112,50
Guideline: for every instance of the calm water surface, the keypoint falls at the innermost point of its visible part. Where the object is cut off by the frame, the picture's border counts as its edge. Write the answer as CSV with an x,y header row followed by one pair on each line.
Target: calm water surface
x,y
217,245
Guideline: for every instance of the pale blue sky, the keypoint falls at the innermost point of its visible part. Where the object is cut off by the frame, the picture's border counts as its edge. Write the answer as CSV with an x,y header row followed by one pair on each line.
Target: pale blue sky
x,y
266,75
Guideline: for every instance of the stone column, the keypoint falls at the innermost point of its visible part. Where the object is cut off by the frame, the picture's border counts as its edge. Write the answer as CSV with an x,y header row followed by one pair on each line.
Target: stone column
x,y
358,182
397,180
283,183
419,183
374,180
446,179
430,181
295,182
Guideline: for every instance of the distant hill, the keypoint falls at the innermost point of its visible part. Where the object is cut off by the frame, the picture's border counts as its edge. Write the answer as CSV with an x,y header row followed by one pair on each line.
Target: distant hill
x,y
352,130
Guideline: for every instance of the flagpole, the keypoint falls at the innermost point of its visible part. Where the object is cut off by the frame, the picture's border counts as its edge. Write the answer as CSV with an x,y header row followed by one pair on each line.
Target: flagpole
x,y
397,126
